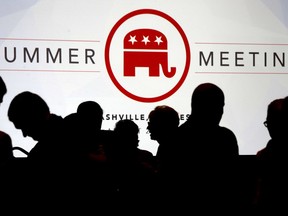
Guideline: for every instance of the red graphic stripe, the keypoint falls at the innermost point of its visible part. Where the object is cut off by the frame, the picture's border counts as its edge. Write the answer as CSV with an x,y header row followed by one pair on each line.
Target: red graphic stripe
x,y
218,72
23,70
55,40
244,44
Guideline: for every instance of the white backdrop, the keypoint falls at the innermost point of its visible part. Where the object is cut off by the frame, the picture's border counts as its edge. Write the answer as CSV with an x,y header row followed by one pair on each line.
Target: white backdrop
x,y
250,35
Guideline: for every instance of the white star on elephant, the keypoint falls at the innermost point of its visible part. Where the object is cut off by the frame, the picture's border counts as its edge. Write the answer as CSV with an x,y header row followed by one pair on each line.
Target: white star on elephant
x,y
158,40
145,39
132,39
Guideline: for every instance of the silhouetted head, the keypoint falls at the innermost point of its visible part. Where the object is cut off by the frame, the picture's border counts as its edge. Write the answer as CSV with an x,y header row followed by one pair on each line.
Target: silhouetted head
x,y
28,112
162,121
91,113
127,132
207,104
275,120
3,89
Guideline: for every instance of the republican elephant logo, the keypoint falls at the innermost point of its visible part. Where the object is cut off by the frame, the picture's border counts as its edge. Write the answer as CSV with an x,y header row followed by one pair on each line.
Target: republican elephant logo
x,y
146,48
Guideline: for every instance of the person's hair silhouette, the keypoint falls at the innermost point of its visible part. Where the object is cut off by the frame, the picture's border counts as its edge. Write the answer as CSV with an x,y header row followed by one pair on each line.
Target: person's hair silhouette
x,y
127,131
29,113
275,120
163,120
207,104
92,113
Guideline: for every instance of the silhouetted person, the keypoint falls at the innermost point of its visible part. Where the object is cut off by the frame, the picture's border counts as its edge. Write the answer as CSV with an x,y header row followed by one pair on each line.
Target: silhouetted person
x,y
84,129
30,114
6,159
46,173
89,143
134,168
163,122
6,151
273,161
209,152
127,146
91,116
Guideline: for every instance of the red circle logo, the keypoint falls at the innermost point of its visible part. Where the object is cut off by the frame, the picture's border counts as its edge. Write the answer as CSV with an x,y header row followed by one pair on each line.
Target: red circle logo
x,y
147,55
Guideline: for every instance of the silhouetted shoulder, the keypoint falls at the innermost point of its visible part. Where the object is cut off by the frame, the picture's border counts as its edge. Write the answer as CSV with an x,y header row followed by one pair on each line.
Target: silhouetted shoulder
x,y
145,154
6,151
5,138
230,141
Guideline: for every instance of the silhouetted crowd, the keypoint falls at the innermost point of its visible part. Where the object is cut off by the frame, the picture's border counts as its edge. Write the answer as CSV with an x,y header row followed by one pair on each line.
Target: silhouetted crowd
x,y
77,167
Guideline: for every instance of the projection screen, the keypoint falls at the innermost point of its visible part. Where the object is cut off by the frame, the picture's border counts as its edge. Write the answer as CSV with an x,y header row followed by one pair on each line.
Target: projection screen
x,y
131,56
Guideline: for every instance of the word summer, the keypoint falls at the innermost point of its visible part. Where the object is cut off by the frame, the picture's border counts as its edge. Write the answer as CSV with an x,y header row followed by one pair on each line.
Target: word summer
x,y
47,55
